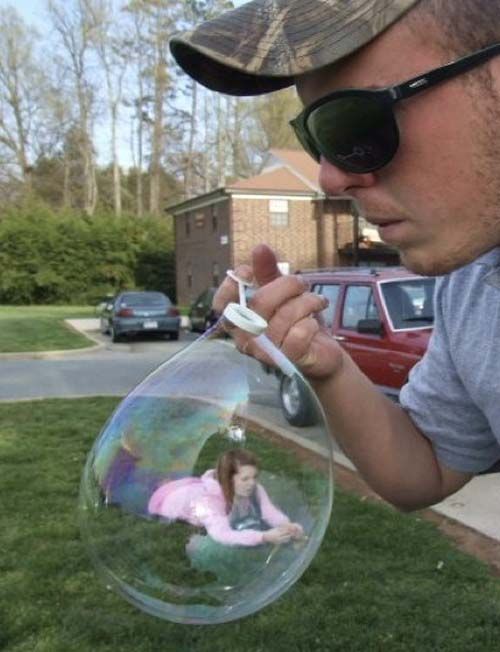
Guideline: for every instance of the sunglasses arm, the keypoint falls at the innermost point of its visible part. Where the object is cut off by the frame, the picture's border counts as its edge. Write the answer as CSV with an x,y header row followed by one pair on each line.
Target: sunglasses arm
x,y
438,75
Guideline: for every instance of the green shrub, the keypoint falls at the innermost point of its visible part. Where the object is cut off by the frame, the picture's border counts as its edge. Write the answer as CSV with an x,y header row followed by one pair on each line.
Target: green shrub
x,y
48,257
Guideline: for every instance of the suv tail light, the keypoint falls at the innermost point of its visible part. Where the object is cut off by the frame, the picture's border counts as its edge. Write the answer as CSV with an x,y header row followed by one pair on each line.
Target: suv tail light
x,y
125,312
173,312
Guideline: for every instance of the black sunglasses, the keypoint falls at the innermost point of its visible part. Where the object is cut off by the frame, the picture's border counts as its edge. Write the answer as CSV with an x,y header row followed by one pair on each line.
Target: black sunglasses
x,y
356,130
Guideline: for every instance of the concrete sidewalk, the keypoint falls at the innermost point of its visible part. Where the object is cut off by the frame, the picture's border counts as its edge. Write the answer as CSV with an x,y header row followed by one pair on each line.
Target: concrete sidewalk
x,y
477,505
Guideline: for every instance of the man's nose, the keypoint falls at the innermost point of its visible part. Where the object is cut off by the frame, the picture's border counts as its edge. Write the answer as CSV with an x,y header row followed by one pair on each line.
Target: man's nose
x,y
334,181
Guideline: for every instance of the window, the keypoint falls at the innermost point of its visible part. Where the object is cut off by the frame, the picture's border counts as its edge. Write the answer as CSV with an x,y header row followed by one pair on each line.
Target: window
x,y
187,224
331,292
409,302
215,224
199,220
278,211
189,276
359,304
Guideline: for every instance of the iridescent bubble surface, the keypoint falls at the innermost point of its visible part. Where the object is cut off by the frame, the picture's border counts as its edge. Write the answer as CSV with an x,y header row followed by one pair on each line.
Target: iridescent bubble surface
x,y
153,513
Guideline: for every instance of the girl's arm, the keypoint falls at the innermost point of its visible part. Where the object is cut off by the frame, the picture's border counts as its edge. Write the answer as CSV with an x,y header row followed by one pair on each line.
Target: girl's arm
x,y
220,530
270,513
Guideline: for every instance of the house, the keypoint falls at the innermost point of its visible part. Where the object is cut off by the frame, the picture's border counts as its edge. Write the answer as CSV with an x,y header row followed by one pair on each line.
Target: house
x,y
282,206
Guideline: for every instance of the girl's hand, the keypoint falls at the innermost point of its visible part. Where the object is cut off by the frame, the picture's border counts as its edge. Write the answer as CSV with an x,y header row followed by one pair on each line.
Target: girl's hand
x,y
277,535
296,531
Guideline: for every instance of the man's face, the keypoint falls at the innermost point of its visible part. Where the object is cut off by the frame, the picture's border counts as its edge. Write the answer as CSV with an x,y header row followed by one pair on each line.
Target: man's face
x,y
438,200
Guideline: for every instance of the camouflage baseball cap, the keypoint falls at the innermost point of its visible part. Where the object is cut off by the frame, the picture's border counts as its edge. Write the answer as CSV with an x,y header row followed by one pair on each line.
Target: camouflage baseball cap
x,y
264,44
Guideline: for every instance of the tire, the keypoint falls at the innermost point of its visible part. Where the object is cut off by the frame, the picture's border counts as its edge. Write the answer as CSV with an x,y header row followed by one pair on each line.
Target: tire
x,y
296,402
174,336
115,337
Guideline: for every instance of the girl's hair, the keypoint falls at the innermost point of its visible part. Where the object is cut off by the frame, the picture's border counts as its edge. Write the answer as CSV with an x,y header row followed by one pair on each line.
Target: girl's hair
x,y
228,465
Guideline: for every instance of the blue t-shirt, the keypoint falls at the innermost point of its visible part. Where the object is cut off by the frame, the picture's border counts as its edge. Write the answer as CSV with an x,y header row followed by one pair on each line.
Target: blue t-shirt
x,y
453,394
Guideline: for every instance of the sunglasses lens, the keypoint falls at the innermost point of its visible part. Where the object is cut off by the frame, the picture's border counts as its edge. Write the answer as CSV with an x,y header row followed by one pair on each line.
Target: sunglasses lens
x,y
357,134
305,140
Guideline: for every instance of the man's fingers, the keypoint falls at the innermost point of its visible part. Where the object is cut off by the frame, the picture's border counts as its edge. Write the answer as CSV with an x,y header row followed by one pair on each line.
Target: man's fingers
x,y
265,265
265,269
228,289
296,309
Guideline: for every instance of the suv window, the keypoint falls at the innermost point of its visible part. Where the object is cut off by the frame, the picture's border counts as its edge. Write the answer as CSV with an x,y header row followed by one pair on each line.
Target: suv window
x,y
409,303
359,304
331,292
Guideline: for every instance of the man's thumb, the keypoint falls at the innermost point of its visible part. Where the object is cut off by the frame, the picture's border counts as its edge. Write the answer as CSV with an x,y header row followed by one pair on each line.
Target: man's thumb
x,y
264,263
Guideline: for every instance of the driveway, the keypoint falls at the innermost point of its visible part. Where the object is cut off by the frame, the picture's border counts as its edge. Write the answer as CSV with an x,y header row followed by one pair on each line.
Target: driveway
x,y
109,371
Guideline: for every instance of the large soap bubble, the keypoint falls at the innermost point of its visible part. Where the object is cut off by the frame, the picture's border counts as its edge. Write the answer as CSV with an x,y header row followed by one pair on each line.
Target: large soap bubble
x,y
199,503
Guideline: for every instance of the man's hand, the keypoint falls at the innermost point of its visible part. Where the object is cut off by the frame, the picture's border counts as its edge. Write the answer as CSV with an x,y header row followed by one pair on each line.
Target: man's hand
x,y
290,310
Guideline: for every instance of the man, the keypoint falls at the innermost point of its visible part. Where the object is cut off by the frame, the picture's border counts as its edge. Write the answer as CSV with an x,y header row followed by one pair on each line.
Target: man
x,y
421,160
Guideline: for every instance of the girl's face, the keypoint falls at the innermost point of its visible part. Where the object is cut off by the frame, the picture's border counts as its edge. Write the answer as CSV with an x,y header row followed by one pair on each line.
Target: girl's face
x,y
245,480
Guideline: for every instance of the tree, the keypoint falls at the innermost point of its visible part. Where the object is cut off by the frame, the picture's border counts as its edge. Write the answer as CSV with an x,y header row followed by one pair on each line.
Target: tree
x,y
106,39
137,49
158,21
72,21
269,126
21,85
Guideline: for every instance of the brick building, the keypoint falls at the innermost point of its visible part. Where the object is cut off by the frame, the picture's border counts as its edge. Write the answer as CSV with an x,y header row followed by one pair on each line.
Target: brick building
x,y
283,207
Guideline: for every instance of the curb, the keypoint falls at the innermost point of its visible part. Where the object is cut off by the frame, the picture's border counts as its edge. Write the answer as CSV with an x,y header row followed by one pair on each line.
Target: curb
x,y
64,353
47,355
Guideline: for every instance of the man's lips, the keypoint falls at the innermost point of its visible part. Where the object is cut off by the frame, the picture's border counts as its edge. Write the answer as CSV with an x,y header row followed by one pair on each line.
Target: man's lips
x,y
389,230
381,222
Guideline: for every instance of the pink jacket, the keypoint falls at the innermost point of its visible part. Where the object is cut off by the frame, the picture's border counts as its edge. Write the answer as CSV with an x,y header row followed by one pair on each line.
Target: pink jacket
x,y
200,502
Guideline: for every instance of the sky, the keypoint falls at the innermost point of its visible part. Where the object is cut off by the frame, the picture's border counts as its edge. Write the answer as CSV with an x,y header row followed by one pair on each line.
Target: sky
x,y
33,11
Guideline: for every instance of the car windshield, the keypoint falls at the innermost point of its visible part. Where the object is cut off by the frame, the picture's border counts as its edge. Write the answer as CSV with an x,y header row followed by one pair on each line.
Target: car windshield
x,y
143,299
409,303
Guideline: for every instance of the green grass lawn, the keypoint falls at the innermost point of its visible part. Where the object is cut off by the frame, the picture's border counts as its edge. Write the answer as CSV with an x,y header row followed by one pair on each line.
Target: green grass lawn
x,y
41,328
381,581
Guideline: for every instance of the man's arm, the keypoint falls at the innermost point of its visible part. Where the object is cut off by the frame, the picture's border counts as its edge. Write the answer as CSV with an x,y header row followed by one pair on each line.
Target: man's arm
x,y
387,448
389,451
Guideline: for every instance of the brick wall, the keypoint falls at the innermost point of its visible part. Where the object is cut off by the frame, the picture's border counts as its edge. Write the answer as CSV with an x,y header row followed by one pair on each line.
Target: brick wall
x,y
308,241
295,243
198,250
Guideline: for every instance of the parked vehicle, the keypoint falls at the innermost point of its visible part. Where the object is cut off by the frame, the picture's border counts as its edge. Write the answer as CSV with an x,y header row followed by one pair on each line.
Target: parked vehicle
x,y
134,312
382,317
201,314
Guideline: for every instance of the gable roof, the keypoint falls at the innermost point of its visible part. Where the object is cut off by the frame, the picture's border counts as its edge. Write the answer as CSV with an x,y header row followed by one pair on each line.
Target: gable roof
x,y
297,161
284,170
279,179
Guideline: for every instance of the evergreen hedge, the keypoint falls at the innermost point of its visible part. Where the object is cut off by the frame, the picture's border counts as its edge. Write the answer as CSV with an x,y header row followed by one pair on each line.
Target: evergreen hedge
x,y
50,258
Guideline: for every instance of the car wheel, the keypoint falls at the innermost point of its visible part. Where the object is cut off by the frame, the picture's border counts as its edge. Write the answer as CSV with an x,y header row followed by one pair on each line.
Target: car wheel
x,y
174,335
115,337
296,402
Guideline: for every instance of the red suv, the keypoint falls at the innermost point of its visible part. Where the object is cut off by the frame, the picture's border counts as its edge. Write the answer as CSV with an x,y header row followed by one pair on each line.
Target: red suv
x,y
382,317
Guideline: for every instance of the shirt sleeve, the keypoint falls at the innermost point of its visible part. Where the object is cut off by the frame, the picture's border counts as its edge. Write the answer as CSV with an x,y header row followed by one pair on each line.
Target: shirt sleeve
x,y
439,404
270,513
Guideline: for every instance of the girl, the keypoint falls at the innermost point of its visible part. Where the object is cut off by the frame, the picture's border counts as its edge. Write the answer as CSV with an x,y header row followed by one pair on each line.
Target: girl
x,y
228,502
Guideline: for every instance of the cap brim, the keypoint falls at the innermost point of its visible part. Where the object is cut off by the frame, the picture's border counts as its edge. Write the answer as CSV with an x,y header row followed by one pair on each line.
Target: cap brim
x,y
216,75
265,44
